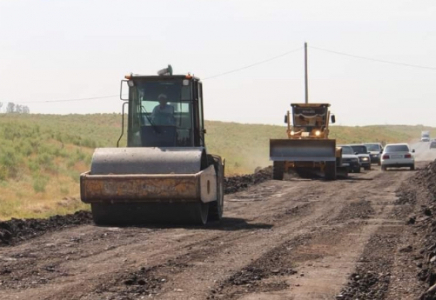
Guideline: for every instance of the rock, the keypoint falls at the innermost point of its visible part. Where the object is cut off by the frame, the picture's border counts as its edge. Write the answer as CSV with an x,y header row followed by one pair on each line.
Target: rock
x,y
411,220
432,289
407,249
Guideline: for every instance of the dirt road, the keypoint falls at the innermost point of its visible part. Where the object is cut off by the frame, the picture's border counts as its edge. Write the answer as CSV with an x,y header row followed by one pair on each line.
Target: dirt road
x,y
294,239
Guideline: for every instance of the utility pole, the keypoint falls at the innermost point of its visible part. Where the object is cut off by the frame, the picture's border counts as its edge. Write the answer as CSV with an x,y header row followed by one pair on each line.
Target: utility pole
x,y
305,73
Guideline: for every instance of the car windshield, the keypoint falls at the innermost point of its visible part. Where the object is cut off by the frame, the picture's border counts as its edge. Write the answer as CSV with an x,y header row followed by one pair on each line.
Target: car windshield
x,y
397,148
347,150
359,149
373,147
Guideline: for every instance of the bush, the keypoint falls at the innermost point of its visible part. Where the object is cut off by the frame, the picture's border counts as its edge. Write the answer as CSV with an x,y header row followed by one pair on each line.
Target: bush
x,y
9,160
64,191
39,183
3,173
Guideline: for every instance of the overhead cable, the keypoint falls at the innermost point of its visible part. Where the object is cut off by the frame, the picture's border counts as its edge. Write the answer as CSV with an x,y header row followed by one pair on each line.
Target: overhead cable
x,y
374,59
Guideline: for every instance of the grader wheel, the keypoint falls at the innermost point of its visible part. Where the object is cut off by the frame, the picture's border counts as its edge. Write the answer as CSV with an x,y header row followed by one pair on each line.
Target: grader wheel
x,y
330,170
278,170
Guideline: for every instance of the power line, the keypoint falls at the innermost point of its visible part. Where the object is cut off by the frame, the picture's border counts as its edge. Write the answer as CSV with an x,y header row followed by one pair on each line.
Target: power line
x,y
254,64
70,100
214,76
374,59
250,66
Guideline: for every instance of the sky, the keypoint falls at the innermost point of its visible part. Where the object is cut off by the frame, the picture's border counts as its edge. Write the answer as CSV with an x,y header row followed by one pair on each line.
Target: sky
x,y
63,50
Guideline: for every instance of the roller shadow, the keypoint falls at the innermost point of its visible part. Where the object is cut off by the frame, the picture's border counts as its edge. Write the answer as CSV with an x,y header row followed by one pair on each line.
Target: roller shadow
x,y
355,178
226,224
402,170
234,224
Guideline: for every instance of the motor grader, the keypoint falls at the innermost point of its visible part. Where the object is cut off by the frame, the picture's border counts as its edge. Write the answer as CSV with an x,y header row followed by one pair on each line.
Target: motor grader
x,y
165,173
308,150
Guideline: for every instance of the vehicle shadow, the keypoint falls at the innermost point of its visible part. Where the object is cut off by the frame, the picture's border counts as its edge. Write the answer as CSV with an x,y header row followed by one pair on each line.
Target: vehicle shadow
x,y
233,224
402,170
356,179
226,224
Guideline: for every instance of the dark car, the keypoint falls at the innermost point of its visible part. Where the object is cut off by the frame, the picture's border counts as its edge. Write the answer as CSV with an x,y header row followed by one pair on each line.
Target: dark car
x,y
375,150
433,144
362,152
350,160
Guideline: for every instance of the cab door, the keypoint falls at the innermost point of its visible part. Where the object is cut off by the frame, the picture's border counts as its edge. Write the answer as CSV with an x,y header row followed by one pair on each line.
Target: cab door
x,y
199,131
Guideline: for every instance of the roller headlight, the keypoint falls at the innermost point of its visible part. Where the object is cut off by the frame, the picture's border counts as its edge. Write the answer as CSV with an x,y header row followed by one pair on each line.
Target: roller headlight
x,y
317,133
292,132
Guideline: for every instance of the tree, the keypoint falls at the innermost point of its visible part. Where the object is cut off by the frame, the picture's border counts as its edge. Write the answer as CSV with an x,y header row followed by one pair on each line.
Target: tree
x,y
17,108
10,108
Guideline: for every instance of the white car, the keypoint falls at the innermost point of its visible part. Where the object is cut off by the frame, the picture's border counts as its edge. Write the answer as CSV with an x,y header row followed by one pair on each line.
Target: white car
x,y
397,156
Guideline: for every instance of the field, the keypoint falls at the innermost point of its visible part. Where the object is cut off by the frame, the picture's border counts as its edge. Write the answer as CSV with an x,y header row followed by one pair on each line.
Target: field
x,y
41,156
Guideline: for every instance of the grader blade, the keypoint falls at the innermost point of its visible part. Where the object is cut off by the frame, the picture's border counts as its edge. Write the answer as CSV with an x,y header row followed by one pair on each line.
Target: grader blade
x,y
303,150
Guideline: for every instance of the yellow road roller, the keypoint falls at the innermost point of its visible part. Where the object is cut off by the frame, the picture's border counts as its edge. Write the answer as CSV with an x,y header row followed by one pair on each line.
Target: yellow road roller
x,y
164,174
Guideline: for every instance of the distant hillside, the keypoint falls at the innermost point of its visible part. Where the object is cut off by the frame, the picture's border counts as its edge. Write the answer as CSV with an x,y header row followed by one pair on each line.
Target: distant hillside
x,y
41,156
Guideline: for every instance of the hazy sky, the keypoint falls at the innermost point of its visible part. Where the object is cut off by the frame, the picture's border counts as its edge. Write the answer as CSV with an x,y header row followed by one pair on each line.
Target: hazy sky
x,y
52,50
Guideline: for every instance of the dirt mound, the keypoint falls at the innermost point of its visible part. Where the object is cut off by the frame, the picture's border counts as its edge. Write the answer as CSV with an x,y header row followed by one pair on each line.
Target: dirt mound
x,y
422,189
427,177
235,184
16,230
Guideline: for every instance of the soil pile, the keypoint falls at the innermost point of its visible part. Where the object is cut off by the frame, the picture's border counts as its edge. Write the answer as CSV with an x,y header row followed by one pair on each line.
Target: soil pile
x,y
423,190
235,184
16,230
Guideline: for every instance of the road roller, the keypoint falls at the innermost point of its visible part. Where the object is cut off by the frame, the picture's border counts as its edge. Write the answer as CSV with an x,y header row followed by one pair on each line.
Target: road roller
x,y
164,174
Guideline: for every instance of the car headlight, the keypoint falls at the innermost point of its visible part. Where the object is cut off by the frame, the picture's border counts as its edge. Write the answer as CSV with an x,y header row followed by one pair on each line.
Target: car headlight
x,y
365,158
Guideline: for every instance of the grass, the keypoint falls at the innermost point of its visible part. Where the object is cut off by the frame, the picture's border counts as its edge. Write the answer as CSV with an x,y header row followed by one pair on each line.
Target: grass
x,y
42,156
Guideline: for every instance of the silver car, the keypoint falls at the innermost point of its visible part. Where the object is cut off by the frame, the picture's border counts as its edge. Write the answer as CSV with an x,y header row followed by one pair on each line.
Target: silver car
x,y
397,156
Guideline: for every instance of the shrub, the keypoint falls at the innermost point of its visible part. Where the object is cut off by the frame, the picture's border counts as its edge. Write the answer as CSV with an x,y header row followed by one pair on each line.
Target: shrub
x,y
64,190
39,183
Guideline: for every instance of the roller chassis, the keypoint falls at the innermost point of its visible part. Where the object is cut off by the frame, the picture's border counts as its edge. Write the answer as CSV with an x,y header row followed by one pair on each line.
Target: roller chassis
x,y
121,199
